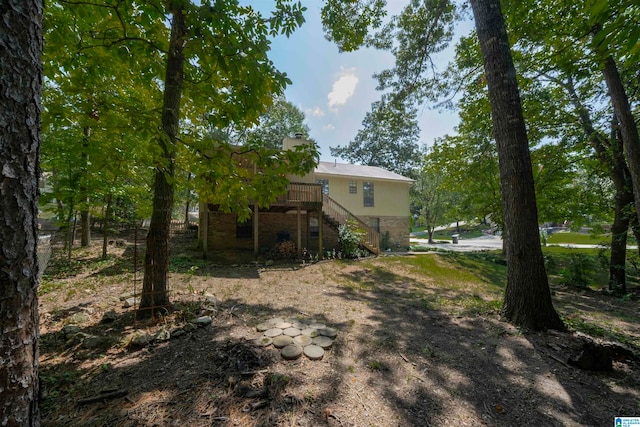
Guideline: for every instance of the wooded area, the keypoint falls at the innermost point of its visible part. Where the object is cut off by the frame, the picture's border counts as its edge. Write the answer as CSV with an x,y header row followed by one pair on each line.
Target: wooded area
x,y
141,103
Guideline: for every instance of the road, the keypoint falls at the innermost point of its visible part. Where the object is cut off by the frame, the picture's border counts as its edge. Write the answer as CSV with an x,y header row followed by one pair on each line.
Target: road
x,y
483,243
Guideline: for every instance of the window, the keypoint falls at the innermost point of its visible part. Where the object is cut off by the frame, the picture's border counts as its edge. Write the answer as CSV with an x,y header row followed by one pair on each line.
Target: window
x,y
375,224
244,230
325,185
314,230
353,187
367,193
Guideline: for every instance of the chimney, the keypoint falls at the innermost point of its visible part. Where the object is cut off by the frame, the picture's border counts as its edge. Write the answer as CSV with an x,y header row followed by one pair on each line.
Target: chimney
x,y
298,135
335,162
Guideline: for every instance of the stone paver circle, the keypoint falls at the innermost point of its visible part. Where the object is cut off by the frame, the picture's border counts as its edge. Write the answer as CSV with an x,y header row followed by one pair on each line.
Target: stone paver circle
x,y
273,332
282,341
263,327
283,325
328,332
291,352
322,341
292,332
313,352
303,340
317,326
275,320
310,332
263,341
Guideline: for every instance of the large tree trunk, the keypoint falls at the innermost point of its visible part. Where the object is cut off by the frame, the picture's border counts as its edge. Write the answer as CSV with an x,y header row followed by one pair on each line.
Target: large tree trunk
x,y
527,300
21,82
156,262
610,154
626,121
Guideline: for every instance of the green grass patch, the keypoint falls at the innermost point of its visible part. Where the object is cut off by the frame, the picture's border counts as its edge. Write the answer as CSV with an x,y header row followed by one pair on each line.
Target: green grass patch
x,y
578,238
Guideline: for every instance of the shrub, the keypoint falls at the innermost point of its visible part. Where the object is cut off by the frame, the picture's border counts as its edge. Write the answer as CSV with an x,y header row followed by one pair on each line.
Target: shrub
x,y
350,236
579,270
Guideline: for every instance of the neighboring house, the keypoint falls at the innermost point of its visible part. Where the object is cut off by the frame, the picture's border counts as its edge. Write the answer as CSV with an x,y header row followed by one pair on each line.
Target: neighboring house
x,y
314,206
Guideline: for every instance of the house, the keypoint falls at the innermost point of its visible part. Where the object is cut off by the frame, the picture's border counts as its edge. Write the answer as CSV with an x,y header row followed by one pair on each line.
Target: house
x,y
312,209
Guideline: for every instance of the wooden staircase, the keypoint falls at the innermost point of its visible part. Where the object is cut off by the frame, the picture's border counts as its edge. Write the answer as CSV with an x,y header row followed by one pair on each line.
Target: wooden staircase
x,y
336,215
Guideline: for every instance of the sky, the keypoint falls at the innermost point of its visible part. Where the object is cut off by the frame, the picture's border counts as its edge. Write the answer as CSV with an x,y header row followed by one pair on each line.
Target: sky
x,y
335,90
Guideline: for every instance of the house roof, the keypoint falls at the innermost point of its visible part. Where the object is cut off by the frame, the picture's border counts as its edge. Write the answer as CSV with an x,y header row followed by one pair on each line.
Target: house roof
x,y
359,171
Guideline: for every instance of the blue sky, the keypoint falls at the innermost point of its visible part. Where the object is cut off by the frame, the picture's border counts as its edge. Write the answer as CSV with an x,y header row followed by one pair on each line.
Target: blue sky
x,y
335,90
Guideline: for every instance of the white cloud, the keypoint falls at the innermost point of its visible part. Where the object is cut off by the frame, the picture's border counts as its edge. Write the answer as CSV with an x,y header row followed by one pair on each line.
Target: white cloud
x,y
328,127
315,112
343,89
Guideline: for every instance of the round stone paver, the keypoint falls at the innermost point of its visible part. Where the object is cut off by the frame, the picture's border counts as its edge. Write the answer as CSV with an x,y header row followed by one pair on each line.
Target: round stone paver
x,y
317,326
275,320
263,327
328,332
292,332
299,325
322,341
263,341
273,332
282,341
283,325
313,352
303,340
310,332
291,352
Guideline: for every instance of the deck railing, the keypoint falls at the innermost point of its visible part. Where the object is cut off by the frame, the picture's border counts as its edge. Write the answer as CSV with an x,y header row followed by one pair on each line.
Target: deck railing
x,y
301,194
339,214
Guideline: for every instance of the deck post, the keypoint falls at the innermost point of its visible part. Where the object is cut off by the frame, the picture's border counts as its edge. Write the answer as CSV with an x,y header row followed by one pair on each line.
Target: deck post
x,y
299,243
320,237
205,232
256,228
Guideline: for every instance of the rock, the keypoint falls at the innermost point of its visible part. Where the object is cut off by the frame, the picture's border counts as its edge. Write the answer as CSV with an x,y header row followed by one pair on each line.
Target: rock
x,y
70,330
291,352
594,357
79,317
203,321
313,352
177,333
268,262
162,335
109,317
189,327
211,300
130,302
140,339
92,341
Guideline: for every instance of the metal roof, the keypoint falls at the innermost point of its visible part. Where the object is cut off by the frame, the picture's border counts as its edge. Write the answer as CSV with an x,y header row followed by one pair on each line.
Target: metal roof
x,y
358,171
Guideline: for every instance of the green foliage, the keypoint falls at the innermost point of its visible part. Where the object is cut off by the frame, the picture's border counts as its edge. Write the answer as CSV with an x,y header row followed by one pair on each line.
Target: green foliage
x,y
388,138
385,241
579,270
349,237
281,120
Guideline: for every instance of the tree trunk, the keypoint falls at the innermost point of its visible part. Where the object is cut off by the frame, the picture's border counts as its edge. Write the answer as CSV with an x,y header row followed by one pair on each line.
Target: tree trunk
x,y
85,218
610,154
105,226
527,300
626,121
156,262
21,82
187,204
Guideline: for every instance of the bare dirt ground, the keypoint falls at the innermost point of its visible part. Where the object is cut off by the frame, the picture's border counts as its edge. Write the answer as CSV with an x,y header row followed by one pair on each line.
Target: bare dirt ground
x,y
397,361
